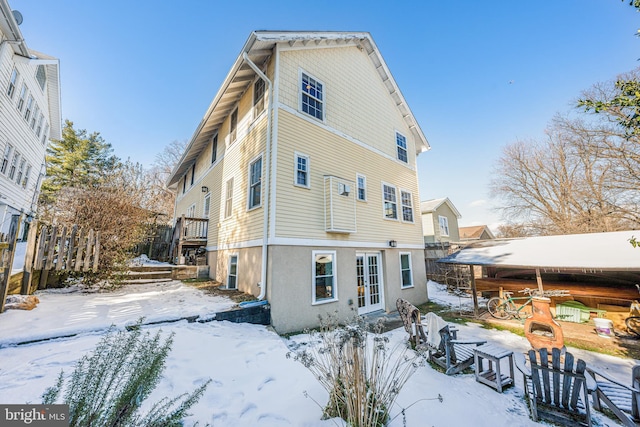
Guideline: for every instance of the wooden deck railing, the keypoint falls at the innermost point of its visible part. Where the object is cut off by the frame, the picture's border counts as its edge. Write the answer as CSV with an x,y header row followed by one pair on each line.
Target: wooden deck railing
x,y
188,232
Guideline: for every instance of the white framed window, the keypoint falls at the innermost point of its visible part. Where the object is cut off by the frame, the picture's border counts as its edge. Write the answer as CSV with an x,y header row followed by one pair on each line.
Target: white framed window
x,y
206,206
361,182
214,148
302,170
324,285
11,89
23,97
41,76
14,165
407,206
311,96
34,116
191,211
258,97
184,184
255,183
232,275
401,146
8,150
233,126
390,201
23,162
444,225
39,128
27,111
405,270
27,174
45,134
228,201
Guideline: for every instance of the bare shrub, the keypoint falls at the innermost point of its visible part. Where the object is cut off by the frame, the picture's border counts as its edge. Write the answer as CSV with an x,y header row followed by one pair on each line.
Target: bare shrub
x,y
361,374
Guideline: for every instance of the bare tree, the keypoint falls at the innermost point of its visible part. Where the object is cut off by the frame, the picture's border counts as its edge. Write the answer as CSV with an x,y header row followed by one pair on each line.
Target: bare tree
x,y
162,198
564,184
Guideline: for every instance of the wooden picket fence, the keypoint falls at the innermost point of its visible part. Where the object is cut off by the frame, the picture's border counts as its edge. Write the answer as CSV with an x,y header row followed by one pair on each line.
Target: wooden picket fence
x,y
60,249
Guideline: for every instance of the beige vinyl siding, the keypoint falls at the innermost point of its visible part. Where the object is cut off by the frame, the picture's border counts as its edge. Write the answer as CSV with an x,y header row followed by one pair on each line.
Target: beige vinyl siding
x,y
300,211
356,102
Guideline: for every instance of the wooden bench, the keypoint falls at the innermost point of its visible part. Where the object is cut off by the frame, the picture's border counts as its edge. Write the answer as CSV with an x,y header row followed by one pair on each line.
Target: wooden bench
x,y
622,400
556,392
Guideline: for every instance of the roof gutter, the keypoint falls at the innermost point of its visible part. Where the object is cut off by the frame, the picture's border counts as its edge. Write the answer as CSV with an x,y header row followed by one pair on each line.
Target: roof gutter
x,y
265,228
14,35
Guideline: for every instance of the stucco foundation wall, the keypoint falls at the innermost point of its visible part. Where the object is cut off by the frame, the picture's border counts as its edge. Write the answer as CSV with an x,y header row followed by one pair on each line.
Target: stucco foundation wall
x,y
249,265
290,278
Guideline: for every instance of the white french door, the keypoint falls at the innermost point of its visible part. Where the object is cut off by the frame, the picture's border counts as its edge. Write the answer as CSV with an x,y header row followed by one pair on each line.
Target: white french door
x,y
369,279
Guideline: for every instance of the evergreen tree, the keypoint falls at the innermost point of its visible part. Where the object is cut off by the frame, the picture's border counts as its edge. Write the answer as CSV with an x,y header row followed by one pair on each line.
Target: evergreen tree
x,y
78,160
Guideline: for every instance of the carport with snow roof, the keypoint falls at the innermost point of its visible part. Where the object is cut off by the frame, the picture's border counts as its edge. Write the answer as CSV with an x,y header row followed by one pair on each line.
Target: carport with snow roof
x,y
598,268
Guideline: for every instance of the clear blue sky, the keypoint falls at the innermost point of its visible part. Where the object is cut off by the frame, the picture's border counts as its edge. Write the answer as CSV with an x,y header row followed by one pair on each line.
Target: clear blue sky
x,y
478,75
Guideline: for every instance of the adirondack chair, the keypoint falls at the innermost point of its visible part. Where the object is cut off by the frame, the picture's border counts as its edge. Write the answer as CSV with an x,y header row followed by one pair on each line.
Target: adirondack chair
x,y
412,322
556,392
452,354
622,400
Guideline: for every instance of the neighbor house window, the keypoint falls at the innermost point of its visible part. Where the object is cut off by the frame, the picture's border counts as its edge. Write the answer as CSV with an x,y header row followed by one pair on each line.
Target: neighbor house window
x,y
214,149
41,76
25,181
23,161
233,125
401,144
390,201
444,225
34,116
39,128
407,206
11,90
255,183
14,165
5,159
228,202
302,170
206,207
312,93
324,276
258,97
45,134
362,187
23,97
27,112
405,270
232,277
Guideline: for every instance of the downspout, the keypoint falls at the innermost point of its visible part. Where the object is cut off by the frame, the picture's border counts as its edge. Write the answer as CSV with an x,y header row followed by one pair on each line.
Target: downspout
x,y
265,228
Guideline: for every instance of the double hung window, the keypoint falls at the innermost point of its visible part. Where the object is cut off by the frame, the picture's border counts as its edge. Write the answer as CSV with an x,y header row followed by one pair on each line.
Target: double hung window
x,y
255,183
407,206
312,96
324,276
390,201
401,145
11,89
405,270
302,170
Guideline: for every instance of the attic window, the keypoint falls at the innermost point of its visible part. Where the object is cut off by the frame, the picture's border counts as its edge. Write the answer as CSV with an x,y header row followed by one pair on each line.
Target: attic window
x,y
312,96
41,76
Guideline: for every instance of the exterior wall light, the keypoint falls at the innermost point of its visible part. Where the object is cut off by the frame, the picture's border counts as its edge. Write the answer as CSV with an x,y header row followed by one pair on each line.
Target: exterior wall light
x,y
205,189
393,243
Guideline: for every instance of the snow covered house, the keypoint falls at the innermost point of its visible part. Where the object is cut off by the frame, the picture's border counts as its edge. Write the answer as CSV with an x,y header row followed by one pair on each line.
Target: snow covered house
x,y
304,169
29,116
439,221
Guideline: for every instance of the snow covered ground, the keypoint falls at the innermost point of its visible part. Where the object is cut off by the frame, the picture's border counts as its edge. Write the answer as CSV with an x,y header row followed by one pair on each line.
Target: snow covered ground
x,y
254,383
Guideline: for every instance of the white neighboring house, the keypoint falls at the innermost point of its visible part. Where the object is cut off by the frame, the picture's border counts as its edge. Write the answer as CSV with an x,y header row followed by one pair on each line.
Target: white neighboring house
x,y
29,116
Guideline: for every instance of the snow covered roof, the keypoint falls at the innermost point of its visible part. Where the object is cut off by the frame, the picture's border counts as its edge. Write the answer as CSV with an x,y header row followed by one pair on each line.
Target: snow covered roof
x,y
431,205
587,252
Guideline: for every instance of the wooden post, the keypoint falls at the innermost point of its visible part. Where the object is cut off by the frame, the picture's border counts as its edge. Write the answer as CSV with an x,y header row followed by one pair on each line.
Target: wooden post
x,y
96,254
474,293
71,247
13,236
27,272
539,280
61,249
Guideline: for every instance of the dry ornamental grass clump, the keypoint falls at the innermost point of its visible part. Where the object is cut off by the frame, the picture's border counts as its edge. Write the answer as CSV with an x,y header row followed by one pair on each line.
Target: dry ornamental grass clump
x,y
362,375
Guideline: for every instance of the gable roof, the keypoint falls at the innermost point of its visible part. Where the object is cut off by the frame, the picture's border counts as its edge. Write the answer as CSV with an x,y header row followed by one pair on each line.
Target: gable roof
x,y
474,232
429,206
259,48
586,252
